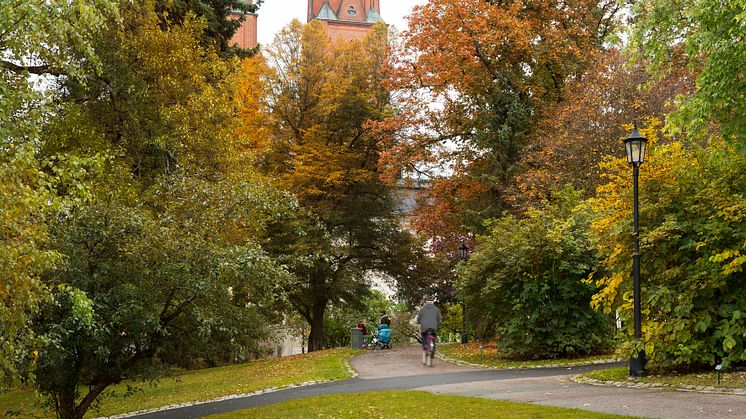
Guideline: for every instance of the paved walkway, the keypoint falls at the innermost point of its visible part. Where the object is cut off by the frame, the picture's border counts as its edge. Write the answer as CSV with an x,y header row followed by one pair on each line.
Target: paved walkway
x,y
402,361
553,387
401,369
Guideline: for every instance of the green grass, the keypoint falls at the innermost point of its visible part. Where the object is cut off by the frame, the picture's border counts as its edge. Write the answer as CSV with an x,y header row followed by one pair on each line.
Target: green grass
x,y
204,384
406,404
489,356
735,379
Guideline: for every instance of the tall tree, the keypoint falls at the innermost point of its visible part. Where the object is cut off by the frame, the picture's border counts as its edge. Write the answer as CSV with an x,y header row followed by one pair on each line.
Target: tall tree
x,y
220,27
164,257
37,38
474,75
573,137
709,36
320,96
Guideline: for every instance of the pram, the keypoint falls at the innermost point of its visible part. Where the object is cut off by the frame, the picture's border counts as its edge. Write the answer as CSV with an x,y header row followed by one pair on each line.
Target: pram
x,y
381,337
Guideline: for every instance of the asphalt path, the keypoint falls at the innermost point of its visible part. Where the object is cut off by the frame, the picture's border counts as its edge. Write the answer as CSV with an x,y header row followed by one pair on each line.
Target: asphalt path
x,y
401,369
357,385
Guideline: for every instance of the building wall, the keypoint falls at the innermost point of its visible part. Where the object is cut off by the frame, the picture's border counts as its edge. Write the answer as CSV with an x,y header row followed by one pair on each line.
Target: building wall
x,y
245,36
345,30
357,5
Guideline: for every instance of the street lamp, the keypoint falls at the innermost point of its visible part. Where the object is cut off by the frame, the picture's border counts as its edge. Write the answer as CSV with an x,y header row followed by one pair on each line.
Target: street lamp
x,y
463,252
635,146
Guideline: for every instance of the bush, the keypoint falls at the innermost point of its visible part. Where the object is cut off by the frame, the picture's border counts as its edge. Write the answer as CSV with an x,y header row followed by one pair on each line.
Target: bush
x,y
693,247
525,281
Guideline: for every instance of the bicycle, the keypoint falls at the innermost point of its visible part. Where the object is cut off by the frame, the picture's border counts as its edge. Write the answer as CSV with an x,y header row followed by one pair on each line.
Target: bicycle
x,y
428,347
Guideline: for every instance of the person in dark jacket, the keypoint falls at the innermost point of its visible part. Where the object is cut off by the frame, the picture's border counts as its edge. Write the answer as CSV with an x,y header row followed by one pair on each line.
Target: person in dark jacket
x,y
429,320
385,319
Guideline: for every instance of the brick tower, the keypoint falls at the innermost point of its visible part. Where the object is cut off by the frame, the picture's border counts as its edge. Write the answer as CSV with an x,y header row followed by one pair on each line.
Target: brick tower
x,y
245,36
347,19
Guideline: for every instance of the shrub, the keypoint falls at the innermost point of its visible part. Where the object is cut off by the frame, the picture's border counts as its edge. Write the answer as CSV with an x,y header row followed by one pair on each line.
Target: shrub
x,y
693,247
526,279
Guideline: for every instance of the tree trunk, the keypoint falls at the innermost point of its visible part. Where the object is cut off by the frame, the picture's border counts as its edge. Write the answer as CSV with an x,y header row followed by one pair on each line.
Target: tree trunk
x,y
66,403
67,408
89,398
316,338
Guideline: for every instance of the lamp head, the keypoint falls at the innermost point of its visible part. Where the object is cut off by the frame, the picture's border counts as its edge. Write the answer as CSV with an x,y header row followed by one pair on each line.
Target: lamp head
x,y
635,145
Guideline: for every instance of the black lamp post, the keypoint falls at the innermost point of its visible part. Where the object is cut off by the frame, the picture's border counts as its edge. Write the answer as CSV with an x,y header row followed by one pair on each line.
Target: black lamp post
x,y
635,146
463,253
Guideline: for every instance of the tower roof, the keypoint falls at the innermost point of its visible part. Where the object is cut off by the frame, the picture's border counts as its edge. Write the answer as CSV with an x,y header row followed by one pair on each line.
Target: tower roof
x,y
363,11
326,13
347,19
373,16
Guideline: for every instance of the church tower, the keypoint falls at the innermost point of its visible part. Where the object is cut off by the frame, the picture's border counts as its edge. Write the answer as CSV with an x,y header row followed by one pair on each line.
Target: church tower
x,y
245,36
348,19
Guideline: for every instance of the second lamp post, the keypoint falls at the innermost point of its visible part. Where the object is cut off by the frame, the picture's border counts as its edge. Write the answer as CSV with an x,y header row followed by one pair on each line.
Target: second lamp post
x,y
463,253
635,147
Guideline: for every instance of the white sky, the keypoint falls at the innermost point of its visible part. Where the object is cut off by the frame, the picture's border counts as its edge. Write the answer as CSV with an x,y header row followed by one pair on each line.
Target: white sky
x,y
274,14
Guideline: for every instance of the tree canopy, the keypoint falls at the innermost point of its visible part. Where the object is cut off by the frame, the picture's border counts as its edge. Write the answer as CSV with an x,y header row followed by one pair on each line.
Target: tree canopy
x,y
39,38
706,35
219,26
474,75
320,96
166,200
133,218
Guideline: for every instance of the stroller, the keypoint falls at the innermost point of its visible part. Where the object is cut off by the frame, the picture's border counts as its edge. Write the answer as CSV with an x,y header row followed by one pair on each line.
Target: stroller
x,y
381,337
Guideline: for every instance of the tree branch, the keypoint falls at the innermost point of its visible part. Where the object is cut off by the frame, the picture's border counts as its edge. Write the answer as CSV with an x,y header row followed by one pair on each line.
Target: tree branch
x,y
13,26
33,69
48,70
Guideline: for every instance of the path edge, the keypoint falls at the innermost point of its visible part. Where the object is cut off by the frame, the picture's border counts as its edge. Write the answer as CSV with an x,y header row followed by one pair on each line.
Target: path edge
x,y
737,391
448,359
346,365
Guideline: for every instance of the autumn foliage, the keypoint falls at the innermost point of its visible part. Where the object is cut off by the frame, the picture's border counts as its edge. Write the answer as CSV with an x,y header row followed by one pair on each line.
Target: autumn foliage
x,y
318,98
502,104
573,137
158,185
472,76
692,241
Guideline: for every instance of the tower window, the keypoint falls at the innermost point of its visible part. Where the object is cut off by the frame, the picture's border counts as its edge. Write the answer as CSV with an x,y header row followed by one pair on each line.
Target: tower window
x,y
351,11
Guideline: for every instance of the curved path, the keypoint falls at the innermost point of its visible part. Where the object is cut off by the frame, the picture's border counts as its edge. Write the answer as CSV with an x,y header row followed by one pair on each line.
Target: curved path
x,y
401,369
401,361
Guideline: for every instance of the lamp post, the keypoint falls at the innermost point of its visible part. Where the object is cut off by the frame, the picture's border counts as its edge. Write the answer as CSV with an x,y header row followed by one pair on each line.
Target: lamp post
x,y
635,147
463,252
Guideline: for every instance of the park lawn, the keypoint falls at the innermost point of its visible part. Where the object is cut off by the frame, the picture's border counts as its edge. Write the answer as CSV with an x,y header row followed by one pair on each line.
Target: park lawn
x,y
204,384
486,354
406,404
734,379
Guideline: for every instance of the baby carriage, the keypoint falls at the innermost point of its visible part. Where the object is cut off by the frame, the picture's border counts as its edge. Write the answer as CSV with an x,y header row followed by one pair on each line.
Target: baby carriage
x,y
382,337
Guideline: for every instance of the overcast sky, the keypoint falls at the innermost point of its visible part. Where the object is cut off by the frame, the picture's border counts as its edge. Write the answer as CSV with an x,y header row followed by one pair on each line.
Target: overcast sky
x,y
274,14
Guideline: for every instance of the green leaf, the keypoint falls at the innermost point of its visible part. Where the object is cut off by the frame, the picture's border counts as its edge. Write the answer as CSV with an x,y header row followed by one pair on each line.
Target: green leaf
x,y
729,343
